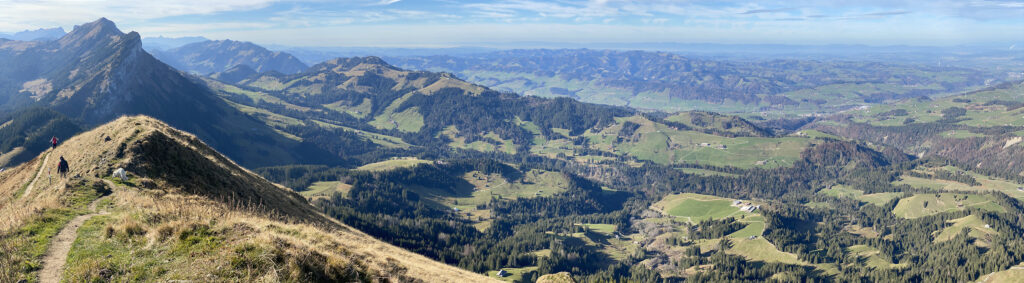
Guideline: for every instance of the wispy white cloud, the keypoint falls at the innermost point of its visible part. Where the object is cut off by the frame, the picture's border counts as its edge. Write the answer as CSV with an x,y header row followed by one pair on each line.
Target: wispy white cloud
x,y
27,14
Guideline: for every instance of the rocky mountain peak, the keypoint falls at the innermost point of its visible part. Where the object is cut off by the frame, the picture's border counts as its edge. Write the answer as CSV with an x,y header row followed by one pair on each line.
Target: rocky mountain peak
x,y
89,34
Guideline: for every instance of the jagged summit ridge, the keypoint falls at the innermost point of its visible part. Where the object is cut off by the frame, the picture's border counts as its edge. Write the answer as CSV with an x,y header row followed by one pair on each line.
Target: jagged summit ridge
x,y
93,32
96,73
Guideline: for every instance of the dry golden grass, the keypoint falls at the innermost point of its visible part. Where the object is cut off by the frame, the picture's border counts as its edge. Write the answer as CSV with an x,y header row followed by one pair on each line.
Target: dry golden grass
x,y
189,213
163,216
15,205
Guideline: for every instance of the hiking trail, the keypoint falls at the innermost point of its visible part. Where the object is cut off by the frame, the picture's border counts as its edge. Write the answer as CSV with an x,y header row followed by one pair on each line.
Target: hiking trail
x,y
57,254
46,160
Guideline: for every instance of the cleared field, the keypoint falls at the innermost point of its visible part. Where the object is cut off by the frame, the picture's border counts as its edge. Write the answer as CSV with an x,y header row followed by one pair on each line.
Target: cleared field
x,y
491,141
359,111
256,96
879,198
978,229
705,172
987,183
754,228
697,210
513,274
662,144
325,189
927,204
409,120
693,208
760,249
382,140
872,257
393,164
603,236
270,118
1014,274
481,188
606,229
697,207
840,191
817,134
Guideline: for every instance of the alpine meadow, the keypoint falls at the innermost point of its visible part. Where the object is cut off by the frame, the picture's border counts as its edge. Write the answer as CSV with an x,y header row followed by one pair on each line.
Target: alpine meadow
x,y
511,141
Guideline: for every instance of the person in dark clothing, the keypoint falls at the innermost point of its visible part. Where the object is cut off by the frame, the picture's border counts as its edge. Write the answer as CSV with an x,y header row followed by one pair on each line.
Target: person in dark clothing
x,y
63,168
53,142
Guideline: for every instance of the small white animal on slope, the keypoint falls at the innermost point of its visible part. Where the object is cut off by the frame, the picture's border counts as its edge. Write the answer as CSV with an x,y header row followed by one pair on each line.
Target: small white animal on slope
x,y
120,173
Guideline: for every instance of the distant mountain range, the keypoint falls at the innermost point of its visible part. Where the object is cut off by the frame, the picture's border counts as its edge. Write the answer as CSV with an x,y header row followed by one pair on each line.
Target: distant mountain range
x,y
161,43
39,34
213,56
96,73
667,81
315,55
638,79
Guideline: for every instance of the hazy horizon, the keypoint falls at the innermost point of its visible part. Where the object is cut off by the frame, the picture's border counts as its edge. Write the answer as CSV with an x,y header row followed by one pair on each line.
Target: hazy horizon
x,y
443,23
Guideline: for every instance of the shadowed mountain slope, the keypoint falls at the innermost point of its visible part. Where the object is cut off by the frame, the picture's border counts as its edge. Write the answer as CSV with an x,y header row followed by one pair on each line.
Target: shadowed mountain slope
x,y
96,73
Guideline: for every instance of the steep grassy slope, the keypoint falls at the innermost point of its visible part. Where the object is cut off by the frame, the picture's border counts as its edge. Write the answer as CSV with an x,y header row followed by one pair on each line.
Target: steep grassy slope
x,y
185,213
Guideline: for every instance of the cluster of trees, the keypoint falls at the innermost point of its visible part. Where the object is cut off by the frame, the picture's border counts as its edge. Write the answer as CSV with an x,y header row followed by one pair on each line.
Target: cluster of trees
x,y
910,242
947,175
711,229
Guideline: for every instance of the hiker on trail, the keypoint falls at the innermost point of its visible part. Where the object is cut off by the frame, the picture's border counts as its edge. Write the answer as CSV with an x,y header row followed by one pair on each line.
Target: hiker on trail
x,y
62,167
53,142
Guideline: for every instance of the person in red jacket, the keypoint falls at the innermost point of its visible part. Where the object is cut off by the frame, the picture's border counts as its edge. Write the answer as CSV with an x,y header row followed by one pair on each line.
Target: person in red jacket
x,y
53,142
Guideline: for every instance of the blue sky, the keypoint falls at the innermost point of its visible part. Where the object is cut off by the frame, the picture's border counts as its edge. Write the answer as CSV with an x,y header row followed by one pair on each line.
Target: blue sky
x,y
442,23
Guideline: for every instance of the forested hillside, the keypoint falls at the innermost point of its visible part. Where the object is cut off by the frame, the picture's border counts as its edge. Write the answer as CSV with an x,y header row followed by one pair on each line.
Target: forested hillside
x,y
981,128
495,181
